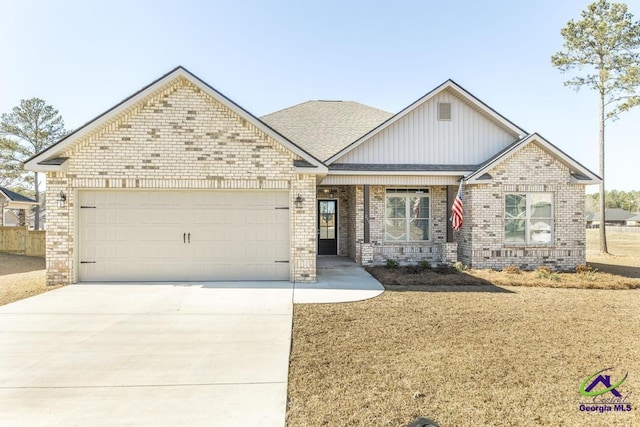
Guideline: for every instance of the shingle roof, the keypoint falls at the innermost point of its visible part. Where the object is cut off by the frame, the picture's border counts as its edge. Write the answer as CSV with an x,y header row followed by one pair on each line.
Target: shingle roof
x,y
15,197
634,218
611,214
325,127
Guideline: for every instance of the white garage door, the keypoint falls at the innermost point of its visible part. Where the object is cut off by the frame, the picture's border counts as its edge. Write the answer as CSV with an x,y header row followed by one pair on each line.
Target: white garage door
x,y
183,235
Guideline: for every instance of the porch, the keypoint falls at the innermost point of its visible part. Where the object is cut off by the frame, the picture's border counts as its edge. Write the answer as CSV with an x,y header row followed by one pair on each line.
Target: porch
x,y
373,223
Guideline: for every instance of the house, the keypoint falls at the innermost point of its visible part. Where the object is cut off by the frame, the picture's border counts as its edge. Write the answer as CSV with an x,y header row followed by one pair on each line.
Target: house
x,y
11,219
178,182
612,216
10,202
634,221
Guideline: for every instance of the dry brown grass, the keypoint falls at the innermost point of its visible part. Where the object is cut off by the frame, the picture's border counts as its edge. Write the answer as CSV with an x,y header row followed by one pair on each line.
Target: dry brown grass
x,y
469,355
21,277
480,358
624,257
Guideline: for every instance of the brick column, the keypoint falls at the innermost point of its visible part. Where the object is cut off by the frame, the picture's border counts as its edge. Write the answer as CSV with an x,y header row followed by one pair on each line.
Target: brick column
x,y
303,229
59,254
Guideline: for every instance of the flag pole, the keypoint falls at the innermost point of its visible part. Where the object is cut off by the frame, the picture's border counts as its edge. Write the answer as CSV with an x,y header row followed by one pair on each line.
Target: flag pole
x,y
457,209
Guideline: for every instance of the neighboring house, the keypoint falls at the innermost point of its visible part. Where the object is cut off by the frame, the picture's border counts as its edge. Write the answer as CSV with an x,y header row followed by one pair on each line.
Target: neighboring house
x,y
612,216
634,221
11,219
9,201
177,182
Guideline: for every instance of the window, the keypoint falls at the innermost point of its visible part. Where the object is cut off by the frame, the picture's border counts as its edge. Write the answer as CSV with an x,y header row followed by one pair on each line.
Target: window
x,y
407,215
528,218
444,111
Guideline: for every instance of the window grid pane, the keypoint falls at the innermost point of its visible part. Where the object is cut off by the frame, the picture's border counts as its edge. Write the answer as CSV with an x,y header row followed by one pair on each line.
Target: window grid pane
x,y
395,229
419,229
514,231
407,217
528,218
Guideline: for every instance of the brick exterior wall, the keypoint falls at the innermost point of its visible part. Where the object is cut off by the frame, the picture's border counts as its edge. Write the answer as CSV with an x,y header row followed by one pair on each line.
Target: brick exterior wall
x,y
179,138
532,169
378,250
355,218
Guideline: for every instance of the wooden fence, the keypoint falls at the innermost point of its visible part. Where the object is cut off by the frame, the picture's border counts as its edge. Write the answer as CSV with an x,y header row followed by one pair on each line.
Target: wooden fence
x,y
617,229
19,240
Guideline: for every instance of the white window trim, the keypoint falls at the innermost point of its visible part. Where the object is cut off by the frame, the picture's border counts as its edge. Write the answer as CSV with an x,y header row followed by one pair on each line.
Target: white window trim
x,y
420,192
528,219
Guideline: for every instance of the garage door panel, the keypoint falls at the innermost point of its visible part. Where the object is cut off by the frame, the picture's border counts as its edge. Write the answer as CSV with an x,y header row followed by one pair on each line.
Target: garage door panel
x,y
138,235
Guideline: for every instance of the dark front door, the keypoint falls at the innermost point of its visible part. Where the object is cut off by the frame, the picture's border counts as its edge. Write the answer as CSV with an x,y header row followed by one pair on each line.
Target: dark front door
x,y
327,230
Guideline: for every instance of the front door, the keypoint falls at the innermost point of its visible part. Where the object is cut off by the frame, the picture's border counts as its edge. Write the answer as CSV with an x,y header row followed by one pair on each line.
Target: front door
x,y
327,230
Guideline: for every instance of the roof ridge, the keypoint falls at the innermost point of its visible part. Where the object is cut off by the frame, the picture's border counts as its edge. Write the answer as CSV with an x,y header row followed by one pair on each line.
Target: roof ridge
x,y
311,101
286,108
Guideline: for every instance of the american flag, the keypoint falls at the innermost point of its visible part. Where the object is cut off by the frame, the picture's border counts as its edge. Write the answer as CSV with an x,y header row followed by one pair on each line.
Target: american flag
x,y
456,210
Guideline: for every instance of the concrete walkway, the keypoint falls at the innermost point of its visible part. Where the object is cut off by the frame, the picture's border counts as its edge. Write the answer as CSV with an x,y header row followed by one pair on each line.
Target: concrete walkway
x,y
159,354
339,279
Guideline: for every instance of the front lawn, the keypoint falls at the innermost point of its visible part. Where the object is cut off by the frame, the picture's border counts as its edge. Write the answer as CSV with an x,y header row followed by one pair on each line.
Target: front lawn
x,y
21,277
474,354
462,356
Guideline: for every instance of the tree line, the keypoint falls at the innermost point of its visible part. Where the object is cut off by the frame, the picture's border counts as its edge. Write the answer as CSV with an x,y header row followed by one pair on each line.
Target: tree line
x,y
627,200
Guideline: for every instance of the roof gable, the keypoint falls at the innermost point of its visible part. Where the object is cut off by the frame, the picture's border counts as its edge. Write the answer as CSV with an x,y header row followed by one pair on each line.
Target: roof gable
x,y
51,160
580,174
15,197
325,127
417,127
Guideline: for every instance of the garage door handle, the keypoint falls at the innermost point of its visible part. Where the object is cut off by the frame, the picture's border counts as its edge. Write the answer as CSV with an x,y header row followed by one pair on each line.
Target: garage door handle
x,y
184,237
189,237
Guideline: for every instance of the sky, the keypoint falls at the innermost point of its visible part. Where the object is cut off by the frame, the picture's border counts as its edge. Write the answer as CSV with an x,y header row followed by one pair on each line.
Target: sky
x,y
83,57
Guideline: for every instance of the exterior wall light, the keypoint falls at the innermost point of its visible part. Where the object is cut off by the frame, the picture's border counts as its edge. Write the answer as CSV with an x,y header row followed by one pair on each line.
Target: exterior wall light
x,y
299,201
62,199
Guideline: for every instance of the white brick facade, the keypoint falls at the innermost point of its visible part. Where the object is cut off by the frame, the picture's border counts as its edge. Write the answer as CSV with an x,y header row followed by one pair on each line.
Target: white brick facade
x,y
532,169
181,138
180,134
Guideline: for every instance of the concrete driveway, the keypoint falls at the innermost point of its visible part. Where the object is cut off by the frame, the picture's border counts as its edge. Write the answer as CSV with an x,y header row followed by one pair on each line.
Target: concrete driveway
x,y
147,354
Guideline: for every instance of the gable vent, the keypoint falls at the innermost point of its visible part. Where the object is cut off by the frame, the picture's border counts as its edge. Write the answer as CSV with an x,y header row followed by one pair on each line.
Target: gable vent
x,y
444,111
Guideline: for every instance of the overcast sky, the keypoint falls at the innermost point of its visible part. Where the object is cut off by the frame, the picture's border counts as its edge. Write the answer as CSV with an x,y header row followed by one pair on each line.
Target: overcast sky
x,y
83,57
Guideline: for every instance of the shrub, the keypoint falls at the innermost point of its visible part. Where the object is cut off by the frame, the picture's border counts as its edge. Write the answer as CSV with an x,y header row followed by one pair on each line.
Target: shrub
x,y
543,269
544,272
424,264
511,269
460,266
392,263
587,272
584,268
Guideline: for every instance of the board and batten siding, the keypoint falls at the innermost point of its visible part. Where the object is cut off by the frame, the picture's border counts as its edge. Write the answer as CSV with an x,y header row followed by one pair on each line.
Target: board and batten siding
x,y
470,137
